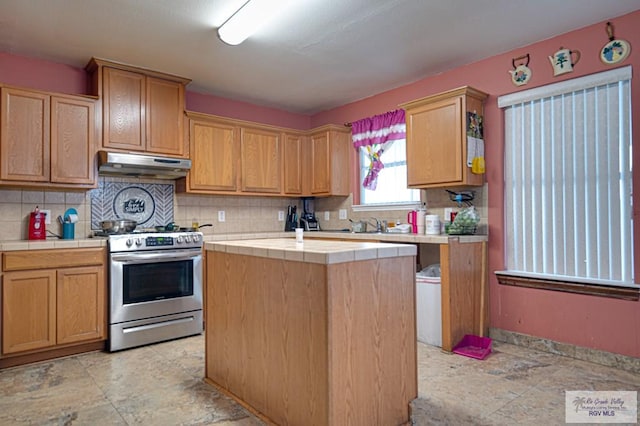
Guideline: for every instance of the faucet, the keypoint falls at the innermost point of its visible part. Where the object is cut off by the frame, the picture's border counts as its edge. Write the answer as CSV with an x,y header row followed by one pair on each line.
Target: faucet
x,y
378,225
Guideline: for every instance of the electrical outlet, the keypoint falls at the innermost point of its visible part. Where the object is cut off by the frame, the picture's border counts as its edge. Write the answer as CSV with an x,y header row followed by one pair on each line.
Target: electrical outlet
x,y
281,216
342,213
47,216
221,217
327,215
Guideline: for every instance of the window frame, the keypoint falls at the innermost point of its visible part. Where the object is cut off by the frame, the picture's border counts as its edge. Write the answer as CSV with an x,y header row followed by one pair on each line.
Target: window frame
x,y
572,284
393,205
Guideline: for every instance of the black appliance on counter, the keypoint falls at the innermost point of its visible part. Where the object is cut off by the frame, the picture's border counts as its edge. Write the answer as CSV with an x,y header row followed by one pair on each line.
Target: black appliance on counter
x,y
308,220
292,219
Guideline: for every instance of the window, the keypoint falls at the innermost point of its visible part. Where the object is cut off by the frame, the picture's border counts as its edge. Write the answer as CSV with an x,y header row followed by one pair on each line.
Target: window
x,y
392,180
568,176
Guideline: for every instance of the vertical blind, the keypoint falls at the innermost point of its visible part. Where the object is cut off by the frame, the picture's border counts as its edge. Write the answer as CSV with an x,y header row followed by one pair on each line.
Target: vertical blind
x,y
568,195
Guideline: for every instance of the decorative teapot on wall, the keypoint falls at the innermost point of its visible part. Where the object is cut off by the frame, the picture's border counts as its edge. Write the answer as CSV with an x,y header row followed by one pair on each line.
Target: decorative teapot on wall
x,y
520,74
562,61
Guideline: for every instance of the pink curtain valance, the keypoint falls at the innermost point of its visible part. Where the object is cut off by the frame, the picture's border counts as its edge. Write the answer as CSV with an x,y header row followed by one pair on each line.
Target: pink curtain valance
x,y
379,129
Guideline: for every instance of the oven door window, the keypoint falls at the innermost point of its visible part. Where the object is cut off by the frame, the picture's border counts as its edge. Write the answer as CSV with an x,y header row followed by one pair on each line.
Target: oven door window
x,y
156,281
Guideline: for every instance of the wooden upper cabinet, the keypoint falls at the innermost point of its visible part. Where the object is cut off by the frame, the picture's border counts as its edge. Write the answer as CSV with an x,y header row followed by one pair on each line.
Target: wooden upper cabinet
x,y
124,108
320,163
213,146
293,159
47,139
437,139
164,114
28,310
328,161
24,136
72,140
260,159
232,156
142,110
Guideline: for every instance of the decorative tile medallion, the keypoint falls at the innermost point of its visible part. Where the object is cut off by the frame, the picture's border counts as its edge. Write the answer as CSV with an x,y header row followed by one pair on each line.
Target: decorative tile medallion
x,y
149,204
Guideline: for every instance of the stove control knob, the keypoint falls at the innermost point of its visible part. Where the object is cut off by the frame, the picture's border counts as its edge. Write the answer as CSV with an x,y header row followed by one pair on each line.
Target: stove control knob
x,y
138,242
129,242
187,238
196,238
179,239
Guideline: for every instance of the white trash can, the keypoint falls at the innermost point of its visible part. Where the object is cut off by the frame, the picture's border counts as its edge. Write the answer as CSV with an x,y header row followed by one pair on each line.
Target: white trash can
x,y
429,310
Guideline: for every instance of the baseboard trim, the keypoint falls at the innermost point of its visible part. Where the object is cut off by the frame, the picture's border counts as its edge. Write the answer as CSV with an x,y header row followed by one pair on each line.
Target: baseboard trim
x,y
596,356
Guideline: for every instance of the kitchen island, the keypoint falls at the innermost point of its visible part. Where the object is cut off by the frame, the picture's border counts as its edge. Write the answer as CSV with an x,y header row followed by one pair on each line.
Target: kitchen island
x,y
313,333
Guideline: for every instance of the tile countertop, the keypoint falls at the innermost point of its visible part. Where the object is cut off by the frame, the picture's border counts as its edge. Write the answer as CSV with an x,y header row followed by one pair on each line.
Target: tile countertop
x,y
11,245
52,244
312,250
386,237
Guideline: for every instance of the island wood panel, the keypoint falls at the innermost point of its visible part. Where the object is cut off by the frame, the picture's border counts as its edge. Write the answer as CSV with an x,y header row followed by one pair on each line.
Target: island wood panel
x,y
372,353
463,291
52,259
266,335
303,343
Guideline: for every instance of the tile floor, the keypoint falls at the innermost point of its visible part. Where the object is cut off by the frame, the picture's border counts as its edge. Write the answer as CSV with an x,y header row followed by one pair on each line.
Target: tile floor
x,y
162,385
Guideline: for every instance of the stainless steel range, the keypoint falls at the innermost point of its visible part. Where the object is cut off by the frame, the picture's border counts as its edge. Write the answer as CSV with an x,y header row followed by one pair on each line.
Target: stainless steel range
x,y
155,285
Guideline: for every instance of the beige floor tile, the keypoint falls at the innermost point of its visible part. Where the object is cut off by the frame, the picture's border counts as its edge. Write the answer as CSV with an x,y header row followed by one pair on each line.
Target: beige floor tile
x,y
162,384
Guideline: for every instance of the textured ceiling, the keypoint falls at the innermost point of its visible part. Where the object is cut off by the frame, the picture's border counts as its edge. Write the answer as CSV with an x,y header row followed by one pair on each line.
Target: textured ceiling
x,y
316,55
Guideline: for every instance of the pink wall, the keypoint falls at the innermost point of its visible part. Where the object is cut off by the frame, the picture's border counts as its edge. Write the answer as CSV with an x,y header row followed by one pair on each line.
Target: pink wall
x,y
42,75
54,77
595,322
244,111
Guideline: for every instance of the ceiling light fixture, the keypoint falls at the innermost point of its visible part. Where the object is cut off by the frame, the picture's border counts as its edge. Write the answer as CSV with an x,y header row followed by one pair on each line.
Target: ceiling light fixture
x,y
248,19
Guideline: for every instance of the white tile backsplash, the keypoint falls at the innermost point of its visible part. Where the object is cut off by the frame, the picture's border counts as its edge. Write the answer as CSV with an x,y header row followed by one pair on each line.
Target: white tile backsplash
x,y
243,214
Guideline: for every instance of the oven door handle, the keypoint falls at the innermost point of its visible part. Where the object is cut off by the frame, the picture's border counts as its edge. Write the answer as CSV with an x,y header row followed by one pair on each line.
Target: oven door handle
x,y
169,256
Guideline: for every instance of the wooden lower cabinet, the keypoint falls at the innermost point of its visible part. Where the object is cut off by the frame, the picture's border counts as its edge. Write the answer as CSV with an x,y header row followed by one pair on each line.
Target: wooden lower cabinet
x,y
54,307
28,310
80,304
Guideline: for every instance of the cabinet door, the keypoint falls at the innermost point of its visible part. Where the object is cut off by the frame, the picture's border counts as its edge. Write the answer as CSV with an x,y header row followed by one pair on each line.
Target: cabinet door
x,y
339,162
72,140
292,155
24,136
81,299
164,114
434,143
260,153
213,148
28,310
320,164
124,109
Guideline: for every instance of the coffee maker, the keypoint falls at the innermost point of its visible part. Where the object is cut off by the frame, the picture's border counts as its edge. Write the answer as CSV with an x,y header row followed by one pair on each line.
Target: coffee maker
x,y
308,220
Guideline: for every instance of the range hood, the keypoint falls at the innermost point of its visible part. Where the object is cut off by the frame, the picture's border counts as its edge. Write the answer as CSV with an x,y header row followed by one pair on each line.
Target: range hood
x,y
141,165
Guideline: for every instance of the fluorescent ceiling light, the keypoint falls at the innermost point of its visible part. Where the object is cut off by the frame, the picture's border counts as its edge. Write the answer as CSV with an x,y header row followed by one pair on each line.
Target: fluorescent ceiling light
x,y
248,19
